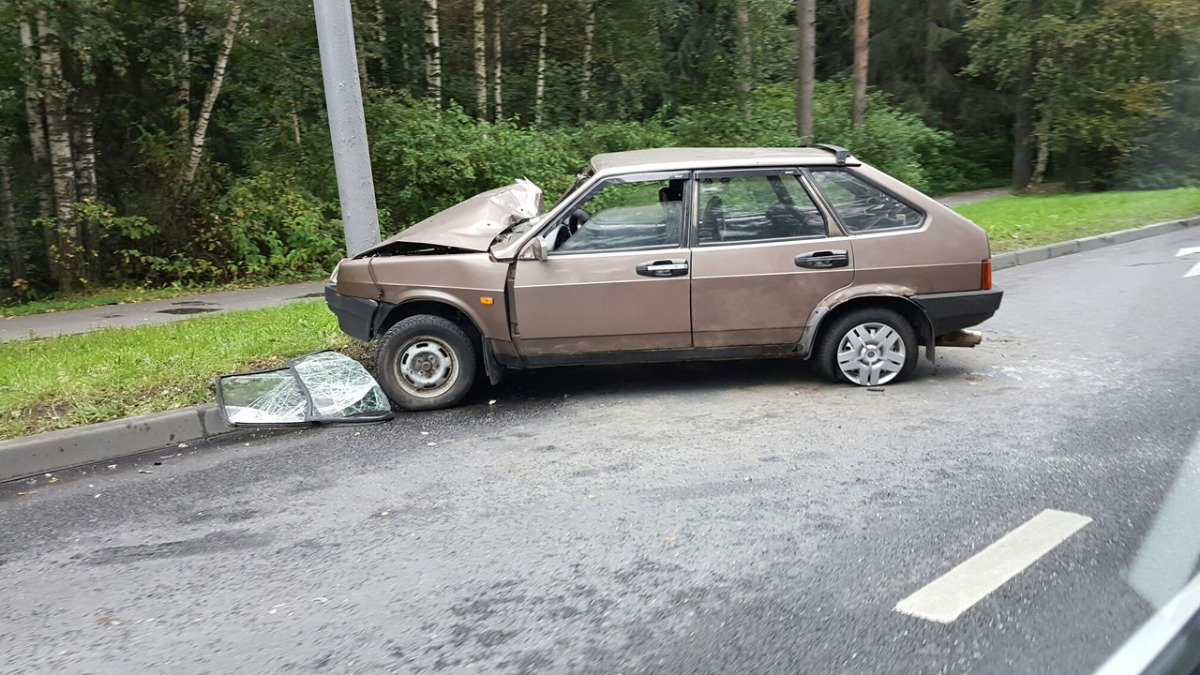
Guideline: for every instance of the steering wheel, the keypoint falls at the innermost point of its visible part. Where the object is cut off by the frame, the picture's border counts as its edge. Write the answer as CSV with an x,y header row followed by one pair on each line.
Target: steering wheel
x,y
714,218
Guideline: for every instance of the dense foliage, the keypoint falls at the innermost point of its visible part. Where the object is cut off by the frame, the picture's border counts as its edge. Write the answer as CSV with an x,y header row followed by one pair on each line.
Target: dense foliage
x,y
129,155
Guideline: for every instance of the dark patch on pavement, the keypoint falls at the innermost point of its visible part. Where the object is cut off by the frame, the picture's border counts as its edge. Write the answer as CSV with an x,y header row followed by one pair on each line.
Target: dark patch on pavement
x,y
187,310
216,542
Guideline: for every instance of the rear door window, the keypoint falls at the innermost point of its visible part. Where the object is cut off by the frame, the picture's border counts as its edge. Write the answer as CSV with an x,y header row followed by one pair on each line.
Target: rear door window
x,y
747,206
862,207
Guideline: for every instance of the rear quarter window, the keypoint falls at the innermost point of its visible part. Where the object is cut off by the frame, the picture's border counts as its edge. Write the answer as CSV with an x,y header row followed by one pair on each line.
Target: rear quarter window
x,y
862,207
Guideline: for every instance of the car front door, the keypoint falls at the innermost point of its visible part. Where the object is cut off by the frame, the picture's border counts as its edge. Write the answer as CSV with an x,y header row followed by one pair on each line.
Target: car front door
x,y
617,273
764,256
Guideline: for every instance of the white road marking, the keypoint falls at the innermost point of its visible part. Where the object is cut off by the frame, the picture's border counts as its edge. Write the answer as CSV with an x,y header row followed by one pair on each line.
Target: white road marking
x,y
1195,271
948,596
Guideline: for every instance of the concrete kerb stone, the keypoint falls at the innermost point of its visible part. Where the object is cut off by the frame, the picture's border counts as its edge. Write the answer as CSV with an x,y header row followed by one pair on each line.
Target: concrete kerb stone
x,y
1002,261
57,450
67,448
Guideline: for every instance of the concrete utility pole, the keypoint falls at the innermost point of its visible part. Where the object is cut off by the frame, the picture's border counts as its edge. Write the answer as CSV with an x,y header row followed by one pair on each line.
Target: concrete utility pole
x,y
347,124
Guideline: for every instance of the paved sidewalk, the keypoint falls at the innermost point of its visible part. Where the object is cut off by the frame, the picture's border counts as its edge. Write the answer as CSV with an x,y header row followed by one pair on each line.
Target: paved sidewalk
x,y
154,311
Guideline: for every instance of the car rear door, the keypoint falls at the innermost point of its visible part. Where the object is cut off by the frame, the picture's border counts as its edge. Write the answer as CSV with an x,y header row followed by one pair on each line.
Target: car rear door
x,y
764,255
617,277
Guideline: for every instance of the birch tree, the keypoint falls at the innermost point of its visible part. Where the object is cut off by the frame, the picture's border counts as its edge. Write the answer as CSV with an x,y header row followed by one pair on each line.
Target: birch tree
x,y
540,96
433,54
479,23
589,39
67,247
497,63
35,117
188,176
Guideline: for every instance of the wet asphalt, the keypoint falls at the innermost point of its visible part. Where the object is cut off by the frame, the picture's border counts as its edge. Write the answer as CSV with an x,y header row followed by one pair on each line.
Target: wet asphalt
x,y
696,518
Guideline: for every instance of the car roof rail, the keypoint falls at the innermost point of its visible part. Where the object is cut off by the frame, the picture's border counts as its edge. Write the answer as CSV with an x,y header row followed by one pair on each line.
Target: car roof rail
x,y
840,154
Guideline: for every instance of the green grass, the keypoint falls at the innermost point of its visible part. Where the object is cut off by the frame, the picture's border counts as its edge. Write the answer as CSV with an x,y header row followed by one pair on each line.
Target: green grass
x,y
71,380
1016,222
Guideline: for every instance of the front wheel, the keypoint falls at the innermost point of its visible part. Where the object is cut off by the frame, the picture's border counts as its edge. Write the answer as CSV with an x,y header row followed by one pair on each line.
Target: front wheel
x,y
425,363
868,347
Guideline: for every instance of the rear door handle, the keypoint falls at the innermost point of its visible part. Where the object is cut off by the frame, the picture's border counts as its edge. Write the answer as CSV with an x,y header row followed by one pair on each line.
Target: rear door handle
x,y
663,268
823,260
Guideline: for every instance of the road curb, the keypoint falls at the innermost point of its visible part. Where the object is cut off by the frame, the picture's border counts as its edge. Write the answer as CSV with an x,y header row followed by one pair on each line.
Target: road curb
x,y
57,450
1026,256
67,448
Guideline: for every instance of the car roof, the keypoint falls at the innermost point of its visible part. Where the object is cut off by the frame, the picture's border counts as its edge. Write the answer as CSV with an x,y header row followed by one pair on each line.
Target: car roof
x,y
677,159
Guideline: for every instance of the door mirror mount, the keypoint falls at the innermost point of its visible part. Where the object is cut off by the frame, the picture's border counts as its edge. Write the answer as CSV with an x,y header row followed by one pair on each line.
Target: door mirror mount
x,y
536,250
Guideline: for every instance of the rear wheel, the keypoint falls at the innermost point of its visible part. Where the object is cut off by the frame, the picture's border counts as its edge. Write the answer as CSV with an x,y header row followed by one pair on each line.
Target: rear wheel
x,y
426,362
868,347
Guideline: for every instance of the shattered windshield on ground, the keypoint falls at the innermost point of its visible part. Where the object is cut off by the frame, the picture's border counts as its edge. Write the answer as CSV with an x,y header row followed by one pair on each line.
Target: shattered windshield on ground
x,y
320,387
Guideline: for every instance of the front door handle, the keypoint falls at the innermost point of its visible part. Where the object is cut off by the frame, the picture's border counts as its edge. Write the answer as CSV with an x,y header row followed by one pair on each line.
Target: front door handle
x,y
823,260
663,268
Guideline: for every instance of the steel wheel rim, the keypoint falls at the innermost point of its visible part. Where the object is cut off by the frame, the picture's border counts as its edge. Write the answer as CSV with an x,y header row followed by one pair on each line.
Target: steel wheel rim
x,y
427,367
871,354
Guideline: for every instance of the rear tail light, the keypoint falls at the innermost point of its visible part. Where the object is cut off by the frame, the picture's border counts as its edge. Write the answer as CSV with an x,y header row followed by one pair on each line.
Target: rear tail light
x,y
985,275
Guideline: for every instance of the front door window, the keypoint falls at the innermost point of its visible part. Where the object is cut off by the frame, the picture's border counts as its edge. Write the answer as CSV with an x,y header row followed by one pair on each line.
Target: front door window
x,y
624,213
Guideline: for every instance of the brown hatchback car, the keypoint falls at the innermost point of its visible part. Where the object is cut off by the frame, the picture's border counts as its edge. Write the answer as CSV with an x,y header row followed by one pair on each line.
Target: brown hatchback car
x,y
672,254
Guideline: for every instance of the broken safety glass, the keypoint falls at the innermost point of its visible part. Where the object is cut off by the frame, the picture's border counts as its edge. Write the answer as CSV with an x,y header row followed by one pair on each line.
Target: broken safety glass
x,y
320,387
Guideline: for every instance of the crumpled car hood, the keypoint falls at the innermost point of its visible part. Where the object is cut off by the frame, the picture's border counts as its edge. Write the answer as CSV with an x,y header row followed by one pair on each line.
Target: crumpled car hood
x,y
473,224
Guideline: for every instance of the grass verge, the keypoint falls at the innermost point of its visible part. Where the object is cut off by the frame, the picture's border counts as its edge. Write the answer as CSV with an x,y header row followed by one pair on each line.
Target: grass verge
x,y
1017,222
72,380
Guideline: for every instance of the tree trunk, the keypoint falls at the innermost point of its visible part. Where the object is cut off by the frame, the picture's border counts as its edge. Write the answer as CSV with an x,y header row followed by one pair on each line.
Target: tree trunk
x,y
83,137
385,70
746,55
1022,130
1022,167
806,21
433,54
8,224
83,134
497,63
68,244
540,98
34,118
183,72
295,118
1043,158
862,51
589,40
479,20
210,100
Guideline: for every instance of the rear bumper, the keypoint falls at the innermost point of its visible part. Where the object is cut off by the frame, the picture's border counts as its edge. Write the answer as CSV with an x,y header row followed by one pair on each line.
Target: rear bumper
x,y
949,312
356,316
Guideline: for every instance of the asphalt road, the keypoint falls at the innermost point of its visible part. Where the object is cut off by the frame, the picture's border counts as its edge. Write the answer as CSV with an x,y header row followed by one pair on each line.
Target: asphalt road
x,y
732,517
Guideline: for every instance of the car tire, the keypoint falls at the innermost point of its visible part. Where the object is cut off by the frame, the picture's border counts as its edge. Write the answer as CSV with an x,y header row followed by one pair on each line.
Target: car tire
x,y
426,362
872,346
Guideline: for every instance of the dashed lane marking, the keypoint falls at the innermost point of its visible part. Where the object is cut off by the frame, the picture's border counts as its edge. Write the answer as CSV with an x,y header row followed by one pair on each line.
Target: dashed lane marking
x,y
956,591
